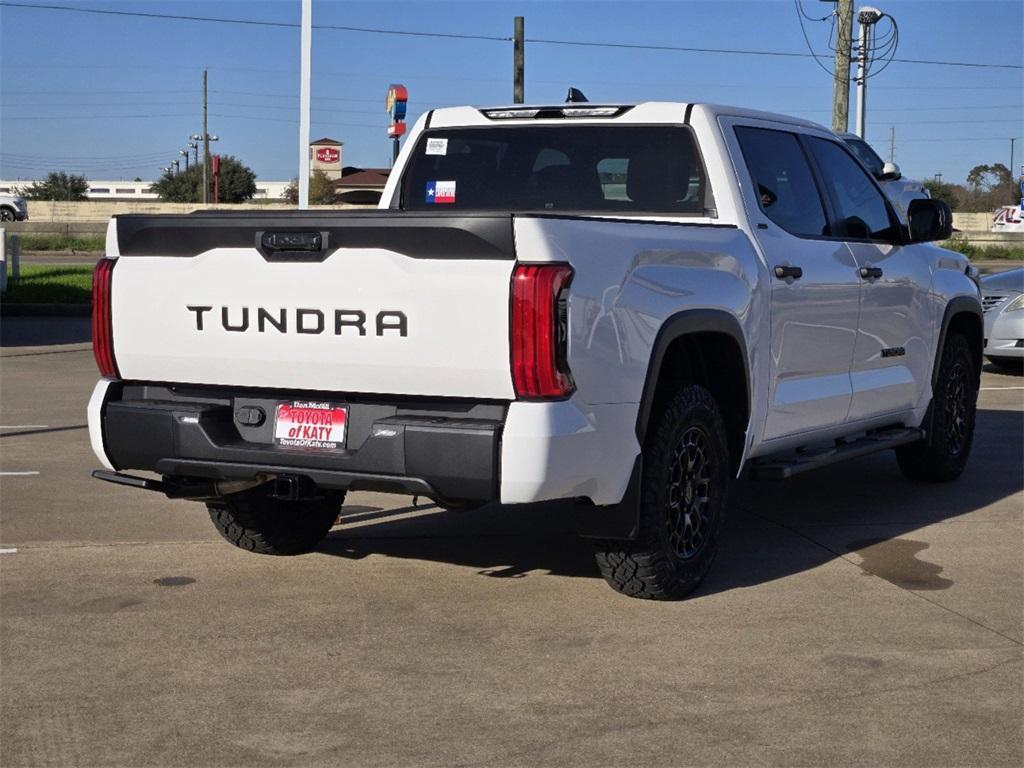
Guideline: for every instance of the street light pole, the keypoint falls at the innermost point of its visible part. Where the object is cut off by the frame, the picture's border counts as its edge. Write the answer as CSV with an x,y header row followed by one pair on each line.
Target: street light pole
x,y
305,45
868,17
184,152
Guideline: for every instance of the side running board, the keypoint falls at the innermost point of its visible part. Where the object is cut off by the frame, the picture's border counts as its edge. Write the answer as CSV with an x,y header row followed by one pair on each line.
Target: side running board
x,y
804,460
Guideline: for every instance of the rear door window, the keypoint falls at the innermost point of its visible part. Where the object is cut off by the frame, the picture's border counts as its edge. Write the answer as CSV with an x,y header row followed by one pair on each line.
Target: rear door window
x,y
785,188
626,169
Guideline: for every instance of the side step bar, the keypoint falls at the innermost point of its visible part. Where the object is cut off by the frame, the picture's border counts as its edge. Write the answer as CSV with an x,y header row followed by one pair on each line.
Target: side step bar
x,y
790,464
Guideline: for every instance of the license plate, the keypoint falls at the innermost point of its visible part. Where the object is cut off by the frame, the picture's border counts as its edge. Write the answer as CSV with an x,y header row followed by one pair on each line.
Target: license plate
x,y
302,424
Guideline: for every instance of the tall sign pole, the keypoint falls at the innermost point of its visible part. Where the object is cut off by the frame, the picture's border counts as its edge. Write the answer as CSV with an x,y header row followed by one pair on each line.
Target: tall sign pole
x,y
518,63
841,91
304,79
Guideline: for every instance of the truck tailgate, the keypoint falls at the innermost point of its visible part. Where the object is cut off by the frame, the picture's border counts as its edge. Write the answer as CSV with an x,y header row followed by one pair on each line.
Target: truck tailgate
x,y
390,303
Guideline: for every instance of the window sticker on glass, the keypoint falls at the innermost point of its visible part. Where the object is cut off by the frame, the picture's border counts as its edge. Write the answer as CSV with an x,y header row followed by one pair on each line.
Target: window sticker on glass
x,y
437,146
440,192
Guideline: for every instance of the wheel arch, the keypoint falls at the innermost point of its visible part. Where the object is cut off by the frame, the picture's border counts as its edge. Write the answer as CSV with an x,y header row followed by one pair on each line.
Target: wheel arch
x,y
706,347
962,315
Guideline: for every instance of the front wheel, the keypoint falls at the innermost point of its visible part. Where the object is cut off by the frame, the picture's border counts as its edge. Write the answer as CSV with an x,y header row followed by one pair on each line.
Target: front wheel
x,y
942,456
6,214
683,497
256,521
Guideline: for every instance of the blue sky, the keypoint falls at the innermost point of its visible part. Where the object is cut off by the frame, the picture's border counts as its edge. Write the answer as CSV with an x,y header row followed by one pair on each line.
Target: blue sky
x,y
116,97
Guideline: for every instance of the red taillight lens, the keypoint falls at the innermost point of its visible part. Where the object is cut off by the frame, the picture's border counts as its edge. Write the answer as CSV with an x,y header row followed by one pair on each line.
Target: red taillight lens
x,y
539,331
102,331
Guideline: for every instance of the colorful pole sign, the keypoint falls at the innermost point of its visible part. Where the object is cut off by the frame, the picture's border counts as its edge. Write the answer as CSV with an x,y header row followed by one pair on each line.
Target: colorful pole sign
x,y
396,104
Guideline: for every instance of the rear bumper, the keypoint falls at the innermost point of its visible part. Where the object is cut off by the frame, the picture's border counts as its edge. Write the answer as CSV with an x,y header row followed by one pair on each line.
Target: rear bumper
x,y
451,450
445,450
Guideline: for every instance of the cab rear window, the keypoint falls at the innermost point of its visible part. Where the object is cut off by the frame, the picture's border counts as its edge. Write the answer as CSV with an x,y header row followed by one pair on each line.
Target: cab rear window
x,y
627,169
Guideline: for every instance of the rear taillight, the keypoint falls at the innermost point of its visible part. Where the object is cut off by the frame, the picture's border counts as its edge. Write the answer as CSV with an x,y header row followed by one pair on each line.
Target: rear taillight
x,y
539,331
102,331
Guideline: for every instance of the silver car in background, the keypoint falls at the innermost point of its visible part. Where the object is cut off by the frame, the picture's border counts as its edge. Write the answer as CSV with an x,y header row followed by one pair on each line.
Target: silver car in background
x,y
899,190
1002,300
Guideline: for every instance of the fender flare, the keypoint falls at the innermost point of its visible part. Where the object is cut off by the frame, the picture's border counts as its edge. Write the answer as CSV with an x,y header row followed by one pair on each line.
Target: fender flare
x,y
621,521
956,306
684,323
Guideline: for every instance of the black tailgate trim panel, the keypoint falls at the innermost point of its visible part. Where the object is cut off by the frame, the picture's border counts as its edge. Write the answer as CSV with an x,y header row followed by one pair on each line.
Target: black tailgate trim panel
x,y
442,235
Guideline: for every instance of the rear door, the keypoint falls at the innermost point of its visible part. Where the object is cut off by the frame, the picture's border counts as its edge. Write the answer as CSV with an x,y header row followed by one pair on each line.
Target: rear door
x,y
815,289
375,302
893,353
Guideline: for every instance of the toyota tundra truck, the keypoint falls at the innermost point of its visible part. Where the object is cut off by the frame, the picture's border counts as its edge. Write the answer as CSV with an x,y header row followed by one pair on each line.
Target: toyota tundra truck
x,y
621,305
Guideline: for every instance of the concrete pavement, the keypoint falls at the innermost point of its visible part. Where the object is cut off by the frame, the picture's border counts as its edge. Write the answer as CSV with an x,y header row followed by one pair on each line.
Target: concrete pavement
x,y
852,618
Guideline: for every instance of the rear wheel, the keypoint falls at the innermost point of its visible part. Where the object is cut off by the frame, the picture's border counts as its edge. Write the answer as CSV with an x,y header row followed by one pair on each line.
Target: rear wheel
x,y
943,455
256,521
6,214
685,482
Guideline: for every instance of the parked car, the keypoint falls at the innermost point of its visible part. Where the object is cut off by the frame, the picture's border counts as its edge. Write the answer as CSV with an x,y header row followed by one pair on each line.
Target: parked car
x,y
899,190
618,305
13,208
1002,299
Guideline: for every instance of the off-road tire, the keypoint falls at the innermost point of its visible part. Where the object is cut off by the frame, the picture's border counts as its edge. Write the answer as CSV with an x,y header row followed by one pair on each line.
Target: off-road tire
x,y
257,522
686,445
942,456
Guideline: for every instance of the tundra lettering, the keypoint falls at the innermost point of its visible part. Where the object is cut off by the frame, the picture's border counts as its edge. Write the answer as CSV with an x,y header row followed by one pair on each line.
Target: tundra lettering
x,y
307,321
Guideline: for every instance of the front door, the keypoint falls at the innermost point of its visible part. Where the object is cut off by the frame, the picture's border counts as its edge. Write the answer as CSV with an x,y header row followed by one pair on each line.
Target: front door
x,y
893,353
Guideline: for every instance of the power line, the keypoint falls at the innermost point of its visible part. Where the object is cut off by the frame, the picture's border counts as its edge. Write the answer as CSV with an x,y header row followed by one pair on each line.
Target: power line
x,y
252,22
492,38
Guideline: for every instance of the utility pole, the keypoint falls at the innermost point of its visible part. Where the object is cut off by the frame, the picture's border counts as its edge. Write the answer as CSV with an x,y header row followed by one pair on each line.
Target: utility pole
x,y
1011,155
892,143
844,40
518,56
206,148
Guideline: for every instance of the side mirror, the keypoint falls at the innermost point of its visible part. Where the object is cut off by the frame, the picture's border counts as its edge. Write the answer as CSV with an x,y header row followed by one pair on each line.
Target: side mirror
x,y
890,172
929,220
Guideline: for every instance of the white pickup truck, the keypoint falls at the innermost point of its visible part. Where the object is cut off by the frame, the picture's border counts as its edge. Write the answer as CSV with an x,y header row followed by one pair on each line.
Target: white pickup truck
x,y
624,305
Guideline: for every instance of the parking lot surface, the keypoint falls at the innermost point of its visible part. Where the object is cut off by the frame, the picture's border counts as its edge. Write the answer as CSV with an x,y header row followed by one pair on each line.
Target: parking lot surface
x,y
852,618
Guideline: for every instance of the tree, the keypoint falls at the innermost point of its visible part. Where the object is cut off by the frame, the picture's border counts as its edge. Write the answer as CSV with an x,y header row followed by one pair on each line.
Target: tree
x,y
321,189
990,186
58,186
237,183
950,194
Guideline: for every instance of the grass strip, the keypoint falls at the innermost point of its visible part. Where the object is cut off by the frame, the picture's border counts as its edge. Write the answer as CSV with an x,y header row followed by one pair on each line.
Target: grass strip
x,y
51,284
63,243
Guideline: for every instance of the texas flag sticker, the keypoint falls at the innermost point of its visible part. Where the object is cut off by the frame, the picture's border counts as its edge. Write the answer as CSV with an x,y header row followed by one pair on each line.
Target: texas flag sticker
x,y
440,191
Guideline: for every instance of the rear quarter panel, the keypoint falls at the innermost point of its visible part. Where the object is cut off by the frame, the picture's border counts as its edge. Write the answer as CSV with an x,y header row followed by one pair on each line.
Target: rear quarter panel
x,y
632,276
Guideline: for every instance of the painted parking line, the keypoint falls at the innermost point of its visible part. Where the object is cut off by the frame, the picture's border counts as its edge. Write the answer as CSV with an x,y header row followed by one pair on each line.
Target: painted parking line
x,y
12,551
17,474
990,389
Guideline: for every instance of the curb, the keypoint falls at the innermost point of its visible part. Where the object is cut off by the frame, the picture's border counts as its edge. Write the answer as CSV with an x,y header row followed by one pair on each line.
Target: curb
x,y
45,310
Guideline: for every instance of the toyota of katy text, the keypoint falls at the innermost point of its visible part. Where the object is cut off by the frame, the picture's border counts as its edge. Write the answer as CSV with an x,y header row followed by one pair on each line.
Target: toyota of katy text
x,y
624,306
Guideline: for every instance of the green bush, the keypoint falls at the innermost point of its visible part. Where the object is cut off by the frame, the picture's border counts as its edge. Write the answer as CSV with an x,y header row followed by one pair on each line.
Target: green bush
x,y
63,243
45,284
978,253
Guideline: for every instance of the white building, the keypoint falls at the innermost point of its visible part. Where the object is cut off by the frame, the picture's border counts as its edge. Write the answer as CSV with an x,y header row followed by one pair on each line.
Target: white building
x,y
140,190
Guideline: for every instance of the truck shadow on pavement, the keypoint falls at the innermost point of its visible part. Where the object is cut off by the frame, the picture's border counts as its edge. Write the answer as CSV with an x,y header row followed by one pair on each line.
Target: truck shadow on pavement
x,y
862,510
44,331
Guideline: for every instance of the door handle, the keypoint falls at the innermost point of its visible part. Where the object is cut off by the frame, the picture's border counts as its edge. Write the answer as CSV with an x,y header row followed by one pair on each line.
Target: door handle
x,y
870,273
783,272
